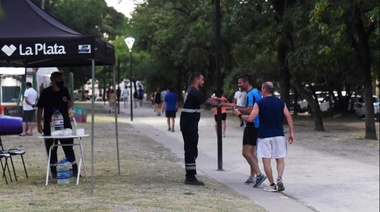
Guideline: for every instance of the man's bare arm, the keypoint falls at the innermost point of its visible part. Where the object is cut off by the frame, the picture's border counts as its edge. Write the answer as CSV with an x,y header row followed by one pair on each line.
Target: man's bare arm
x,y
289,119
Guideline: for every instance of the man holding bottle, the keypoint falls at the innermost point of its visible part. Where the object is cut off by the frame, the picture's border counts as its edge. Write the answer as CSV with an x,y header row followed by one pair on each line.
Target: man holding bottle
x,y
56,97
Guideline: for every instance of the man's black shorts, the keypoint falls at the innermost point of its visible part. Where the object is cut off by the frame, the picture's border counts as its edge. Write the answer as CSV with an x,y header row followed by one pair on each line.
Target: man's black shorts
x,y
250,135
28,116
224,117
170,114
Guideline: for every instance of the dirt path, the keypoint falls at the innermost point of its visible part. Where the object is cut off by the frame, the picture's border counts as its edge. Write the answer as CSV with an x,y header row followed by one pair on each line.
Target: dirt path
x,y
324,171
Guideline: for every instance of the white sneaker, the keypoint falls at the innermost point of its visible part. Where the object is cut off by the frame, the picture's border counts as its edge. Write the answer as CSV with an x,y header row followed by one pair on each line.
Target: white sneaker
x,y
270,188
280,184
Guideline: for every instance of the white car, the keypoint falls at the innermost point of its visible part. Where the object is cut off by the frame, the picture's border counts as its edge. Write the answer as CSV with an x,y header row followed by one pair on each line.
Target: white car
x,y
359,107
323,101
302,104
324,104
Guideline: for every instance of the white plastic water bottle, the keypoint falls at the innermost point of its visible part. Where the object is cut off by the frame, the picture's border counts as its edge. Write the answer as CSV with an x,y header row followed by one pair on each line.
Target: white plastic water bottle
x,y
57,122
63,172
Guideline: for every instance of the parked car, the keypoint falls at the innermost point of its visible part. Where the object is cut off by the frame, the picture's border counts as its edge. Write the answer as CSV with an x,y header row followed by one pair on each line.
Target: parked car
x,y
323,101
301,103
359,107
78,95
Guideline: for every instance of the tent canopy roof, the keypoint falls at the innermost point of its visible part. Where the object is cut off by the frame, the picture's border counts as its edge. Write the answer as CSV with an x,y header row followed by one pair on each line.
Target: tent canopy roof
x,y
30,37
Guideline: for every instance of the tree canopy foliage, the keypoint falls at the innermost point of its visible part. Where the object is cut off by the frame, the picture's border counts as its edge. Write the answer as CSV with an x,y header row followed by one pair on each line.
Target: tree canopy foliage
x,y
302,46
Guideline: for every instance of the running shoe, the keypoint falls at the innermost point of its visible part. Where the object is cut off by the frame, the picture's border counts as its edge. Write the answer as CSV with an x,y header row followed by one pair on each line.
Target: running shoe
x,y
271,188
250,181
280,184
259,179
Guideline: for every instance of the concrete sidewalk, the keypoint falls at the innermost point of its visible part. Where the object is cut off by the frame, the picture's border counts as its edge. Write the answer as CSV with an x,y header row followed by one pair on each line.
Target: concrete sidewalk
x,y
331,183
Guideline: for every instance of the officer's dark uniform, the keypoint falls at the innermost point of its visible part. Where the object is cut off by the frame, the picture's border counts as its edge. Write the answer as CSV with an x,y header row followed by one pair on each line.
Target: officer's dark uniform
x,y
190,116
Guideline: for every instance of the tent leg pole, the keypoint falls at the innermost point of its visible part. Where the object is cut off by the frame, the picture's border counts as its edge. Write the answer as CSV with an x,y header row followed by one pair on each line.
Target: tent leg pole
x,y
116,125
92,127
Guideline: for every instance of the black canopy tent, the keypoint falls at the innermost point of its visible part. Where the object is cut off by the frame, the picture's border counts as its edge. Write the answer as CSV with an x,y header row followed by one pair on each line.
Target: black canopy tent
x,y
30,37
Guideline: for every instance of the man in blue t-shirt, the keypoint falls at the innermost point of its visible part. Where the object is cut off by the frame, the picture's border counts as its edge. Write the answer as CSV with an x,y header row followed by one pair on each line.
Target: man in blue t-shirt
x,y
251,131
271,141
170,106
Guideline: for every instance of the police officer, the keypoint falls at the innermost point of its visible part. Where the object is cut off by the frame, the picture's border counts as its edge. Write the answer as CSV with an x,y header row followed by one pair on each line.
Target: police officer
x,y
190,116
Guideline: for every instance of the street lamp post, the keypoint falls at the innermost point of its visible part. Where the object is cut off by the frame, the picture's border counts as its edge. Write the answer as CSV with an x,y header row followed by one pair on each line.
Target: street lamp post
x,y
129,41
218,82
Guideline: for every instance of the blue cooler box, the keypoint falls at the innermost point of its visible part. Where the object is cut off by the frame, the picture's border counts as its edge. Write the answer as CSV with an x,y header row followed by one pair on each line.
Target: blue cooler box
x,y
80,114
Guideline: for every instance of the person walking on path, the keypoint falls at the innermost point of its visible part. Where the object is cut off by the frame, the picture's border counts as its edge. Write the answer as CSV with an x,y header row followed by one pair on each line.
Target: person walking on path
x,y
239,100
28,107
224,117
163,93
125,97
140,95
152,101
170,106
189,120
251,131
157,101
56,97
271,138
111,99
135,98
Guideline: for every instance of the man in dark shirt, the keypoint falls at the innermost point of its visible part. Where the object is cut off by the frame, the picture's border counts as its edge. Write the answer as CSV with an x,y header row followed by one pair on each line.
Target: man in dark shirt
x,y
55,97
190,116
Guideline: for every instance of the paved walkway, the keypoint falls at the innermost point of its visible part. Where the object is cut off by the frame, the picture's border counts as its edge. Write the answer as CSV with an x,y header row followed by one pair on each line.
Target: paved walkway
x,y
330,183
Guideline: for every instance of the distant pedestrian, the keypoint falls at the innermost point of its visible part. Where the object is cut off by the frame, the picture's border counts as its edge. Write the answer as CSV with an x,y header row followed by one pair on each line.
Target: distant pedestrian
x,y
240,101
111,100
271,139
157,101
125,97
29,109
190,116
163,93
170,106
152,101
135,98
224,117
140,95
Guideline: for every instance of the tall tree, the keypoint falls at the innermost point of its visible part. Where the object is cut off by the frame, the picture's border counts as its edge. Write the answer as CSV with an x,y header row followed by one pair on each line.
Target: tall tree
x,y
353,20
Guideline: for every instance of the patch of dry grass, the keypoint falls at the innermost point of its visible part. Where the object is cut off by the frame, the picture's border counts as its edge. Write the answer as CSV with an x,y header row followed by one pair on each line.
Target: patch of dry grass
x,y
151,177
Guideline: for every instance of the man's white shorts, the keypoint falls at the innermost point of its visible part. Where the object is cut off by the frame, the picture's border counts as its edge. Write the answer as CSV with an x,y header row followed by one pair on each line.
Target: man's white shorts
x,y
274,147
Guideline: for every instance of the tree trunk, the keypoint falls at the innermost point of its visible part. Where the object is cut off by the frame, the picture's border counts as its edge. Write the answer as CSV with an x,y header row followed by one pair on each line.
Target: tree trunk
x,y
313,103
284,73
284,47
365,71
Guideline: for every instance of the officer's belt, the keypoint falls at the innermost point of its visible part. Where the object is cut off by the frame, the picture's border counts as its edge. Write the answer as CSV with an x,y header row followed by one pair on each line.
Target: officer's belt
x,y
191,110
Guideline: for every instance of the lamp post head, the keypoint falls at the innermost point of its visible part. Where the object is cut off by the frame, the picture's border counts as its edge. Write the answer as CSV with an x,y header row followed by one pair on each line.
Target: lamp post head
x,y
129,41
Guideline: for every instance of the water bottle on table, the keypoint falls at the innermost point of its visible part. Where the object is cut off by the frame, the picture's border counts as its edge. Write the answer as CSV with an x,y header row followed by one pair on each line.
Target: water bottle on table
x,y
57,123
